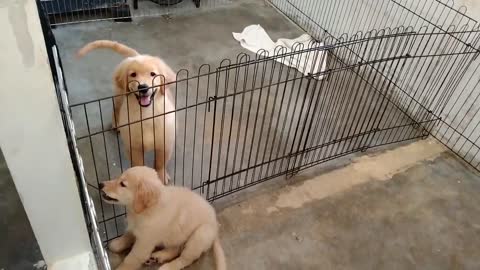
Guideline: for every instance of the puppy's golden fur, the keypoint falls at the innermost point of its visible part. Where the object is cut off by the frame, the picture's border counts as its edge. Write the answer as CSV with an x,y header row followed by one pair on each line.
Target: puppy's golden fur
x,y
139,83
174,217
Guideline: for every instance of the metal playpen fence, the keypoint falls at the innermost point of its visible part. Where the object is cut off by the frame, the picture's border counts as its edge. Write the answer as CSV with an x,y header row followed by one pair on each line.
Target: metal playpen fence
x,y
396,71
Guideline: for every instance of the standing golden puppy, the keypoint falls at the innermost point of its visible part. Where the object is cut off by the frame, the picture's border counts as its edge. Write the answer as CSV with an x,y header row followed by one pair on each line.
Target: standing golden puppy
x,y
174,217
143,112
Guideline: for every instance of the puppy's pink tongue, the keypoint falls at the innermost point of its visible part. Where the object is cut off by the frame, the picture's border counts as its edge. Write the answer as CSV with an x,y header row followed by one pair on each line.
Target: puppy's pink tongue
x,y
145,101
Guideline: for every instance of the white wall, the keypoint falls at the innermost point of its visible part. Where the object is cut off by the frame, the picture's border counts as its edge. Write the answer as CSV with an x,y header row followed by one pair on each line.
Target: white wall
x,y
32,137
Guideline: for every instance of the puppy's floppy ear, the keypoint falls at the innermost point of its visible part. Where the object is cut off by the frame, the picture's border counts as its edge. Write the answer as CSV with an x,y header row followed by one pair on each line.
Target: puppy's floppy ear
x,y
120,77
166,73
146,195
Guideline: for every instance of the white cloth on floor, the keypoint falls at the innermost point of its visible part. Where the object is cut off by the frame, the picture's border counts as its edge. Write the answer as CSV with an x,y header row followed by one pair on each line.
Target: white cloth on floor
x,y
254,38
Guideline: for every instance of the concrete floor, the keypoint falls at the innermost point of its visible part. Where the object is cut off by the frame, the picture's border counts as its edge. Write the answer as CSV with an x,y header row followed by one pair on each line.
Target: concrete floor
x,y
419,211
413,207
18,247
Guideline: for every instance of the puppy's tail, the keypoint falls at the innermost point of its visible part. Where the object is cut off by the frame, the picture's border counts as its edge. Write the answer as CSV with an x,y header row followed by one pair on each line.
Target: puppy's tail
x,y
220,262
107,44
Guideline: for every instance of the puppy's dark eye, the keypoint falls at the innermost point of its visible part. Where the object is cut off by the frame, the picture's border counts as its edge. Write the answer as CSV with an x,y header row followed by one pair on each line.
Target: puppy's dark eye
x,y
153,74
122,184
133,74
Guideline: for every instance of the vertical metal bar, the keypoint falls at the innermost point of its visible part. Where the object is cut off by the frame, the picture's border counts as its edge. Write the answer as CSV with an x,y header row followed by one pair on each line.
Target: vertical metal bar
x,y
213,137
203,134
95,169
185,130
222,126
174,131
245,82
232,113
108,164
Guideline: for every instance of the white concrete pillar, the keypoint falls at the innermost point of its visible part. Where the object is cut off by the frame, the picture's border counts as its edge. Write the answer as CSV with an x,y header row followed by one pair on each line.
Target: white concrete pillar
x,y
33,140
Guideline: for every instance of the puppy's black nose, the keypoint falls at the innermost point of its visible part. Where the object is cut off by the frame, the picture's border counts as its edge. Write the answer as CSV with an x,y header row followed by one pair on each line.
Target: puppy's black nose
x,y
143,88
101,185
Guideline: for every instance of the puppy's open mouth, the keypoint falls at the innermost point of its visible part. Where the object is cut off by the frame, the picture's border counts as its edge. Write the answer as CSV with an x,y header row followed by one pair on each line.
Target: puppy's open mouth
x,y
145,100
107,198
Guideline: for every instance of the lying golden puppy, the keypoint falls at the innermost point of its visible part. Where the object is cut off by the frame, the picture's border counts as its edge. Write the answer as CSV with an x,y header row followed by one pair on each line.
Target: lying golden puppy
x,y
158,215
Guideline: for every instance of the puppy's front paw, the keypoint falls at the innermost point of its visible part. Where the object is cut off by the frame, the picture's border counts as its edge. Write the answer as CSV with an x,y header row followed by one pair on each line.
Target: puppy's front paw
x,y
167,179
117,245
151,261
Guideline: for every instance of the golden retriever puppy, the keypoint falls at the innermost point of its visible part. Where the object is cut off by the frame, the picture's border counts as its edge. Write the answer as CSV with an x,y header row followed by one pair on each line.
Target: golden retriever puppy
x,y
143,112
176,218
